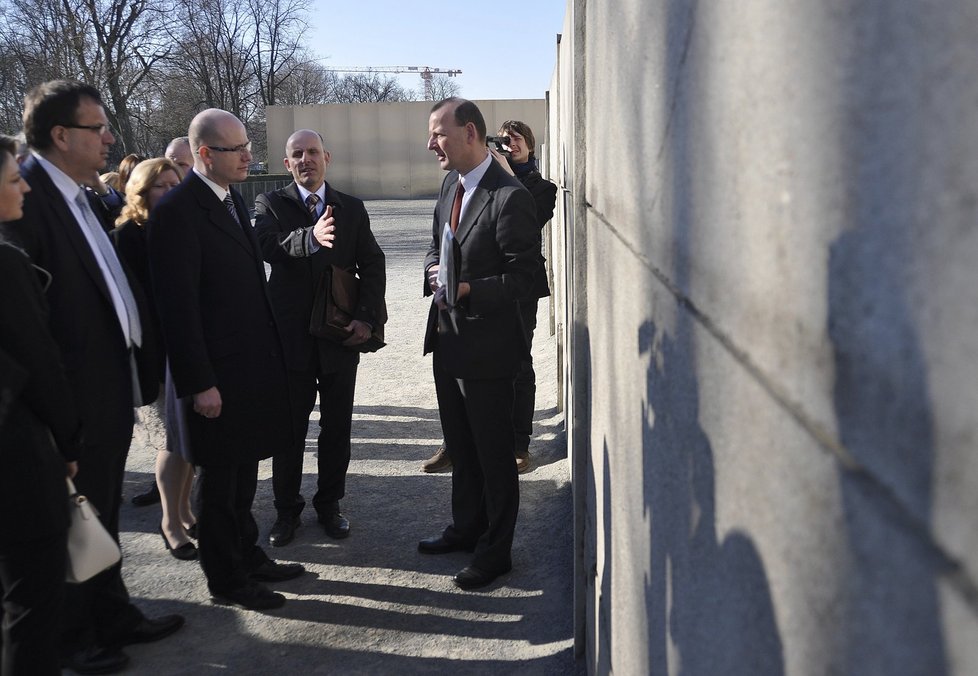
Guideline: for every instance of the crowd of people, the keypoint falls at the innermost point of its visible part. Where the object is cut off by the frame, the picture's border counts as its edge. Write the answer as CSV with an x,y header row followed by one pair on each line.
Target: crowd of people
x,y
145,289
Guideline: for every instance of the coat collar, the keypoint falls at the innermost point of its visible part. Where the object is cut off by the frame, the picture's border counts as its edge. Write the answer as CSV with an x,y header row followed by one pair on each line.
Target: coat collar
x,y
217,213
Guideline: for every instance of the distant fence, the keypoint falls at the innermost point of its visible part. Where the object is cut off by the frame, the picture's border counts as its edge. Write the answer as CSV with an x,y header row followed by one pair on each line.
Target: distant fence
x,y
256,185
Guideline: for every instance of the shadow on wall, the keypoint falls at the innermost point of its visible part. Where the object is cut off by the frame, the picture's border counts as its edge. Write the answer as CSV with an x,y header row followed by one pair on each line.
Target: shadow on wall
x,y
883,411
709,602
881,397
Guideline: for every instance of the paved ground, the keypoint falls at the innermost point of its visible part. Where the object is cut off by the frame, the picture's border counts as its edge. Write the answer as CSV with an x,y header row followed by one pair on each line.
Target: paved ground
x,y
371,604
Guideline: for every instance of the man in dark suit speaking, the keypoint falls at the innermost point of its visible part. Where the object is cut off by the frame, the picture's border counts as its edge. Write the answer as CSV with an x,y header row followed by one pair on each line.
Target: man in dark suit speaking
x,y
224,354
304,229
475,333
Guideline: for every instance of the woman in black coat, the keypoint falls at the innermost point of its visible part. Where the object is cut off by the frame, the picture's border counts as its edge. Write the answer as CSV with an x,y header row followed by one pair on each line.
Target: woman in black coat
x,y
40,439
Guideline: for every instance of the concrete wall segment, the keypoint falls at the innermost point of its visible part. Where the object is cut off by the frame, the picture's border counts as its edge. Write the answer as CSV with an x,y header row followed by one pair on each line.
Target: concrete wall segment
x,y
785,192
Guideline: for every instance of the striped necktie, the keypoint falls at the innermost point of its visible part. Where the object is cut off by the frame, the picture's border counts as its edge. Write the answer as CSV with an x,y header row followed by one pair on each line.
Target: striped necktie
x,y
312,204
229,204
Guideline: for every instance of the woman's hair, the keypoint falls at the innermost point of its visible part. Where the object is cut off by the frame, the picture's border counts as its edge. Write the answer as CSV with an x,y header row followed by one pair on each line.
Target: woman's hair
x,y
111,179
521,128
8,146
142,179
128,163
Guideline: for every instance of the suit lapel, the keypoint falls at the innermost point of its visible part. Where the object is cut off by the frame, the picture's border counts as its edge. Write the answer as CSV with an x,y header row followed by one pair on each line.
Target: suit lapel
x,y
218,216
70,228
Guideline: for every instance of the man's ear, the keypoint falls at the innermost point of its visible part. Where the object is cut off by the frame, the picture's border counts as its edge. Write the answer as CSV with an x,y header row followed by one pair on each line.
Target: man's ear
x,y
285,161
59,137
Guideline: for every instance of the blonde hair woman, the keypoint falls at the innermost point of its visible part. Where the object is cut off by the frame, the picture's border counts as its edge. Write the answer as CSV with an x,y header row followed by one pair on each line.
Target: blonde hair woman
x,y
149,181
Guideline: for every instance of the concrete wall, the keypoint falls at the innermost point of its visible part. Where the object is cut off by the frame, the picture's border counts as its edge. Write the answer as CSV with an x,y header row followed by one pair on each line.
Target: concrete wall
x,y
379,150
768,311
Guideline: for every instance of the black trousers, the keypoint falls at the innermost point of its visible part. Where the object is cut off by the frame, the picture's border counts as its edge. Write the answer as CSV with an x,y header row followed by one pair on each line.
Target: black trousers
x,y
226,529
98,611
336,391
477,422
525,384
32,578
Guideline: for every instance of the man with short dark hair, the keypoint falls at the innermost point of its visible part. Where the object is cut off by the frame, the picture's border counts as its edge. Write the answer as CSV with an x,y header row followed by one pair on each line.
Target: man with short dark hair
x,y
483,255
97,318
224,355
304,229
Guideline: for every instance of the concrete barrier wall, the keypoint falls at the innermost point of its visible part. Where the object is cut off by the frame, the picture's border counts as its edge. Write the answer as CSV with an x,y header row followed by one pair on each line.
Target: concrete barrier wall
x,y
767,302
379,150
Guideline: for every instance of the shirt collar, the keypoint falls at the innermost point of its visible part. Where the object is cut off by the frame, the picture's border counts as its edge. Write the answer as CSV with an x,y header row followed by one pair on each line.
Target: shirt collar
x,y
218,190
62,181
304,194
471,180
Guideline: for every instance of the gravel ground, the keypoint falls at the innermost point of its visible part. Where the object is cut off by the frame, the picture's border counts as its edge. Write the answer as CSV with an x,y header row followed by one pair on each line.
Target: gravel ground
x,y
371,604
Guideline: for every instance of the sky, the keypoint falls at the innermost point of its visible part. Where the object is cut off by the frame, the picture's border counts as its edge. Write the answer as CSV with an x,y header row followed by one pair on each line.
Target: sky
x,y
505,49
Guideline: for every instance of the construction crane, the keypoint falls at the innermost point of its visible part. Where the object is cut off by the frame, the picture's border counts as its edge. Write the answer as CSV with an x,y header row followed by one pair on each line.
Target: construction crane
x,y
426,72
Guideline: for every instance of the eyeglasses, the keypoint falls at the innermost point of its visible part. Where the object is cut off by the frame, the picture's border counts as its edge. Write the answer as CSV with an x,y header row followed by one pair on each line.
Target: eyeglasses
x,y
243,148
99,128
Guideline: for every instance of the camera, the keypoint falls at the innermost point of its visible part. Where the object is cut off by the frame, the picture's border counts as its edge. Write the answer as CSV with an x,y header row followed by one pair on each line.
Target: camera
x,y
499,143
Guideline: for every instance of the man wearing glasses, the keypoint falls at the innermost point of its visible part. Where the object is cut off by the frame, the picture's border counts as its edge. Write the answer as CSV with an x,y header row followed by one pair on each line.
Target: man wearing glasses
x,y
97,316
224,354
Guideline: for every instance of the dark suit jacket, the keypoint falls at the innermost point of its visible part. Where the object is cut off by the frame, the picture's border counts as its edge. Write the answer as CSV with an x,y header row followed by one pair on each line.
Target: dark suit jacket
x,y
500,247
282,224
217,322
83,319
33,495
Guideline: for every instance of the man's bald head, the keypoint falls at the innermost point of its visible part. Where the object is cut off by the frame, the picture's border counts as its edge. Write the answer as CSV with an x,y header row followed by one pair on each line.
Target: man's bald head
x,y
179,152
220,143
306,158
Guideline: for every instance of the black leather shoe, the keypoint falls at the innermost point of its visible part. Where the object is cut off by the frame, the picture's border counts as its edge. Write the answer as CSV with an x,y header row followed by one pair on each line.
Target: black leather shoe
x,y
252,596
440,545
150,497
96,660
283,531
185,552
337,526
269,571
471,577
149,630
192,531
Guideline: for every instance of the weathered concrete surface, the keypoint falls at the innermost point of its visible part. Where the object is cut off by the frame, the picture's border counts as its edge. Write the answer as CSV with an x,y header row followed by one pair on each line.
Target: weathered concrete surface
x,y
779,332
371,604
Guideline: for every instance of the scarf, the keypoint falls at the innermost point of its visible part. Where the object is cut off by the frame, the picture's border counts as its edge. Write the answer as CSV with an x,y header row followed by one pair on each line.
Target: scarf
x,y
526,167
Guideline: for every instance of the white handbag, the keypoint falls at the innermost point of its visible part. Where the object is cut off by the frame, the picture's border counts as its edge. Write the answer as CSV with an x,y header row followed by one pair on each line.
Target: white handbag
x,y
90,547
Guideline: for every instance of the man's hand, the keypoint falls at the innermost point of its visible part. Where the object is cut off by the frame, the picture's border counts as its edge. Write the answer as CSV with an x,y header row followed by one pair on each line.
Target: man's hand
x,y
325,228
433,278
71,469
503,162
208,403
359,333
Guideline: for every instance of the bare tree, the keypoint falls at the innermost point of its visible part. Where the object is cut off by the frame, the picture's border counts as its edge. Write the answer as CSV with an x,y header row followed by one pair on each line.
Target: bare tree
x,y
277,26
111,44
369,87
443,87
309,83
